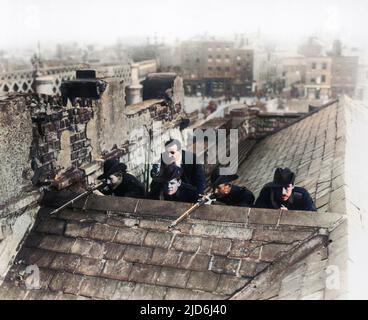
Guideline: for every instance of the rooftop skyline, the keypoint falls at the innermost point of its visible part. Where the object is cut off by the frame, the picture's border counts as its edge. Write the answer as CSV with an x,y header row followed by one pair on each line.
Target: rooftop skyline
x,y
24,23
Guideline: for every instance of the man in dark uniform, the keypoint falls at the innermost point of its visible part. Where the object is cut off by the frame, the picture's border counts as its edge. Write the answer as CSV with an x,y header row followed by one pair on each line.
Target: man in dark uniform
x,y
192,172
172,188
120,183
282,194
230,194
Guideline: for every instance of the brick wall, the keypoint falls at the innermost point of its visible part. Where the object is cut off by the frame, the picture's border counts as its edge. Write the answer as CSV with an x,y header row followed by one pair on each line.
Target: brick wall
x,y
58,130
41,139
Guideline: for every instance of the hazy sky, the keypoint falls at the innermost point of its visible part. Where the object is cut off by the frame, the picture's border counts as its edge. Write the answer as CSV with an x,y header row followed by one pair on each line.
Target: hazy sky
x,y
24,22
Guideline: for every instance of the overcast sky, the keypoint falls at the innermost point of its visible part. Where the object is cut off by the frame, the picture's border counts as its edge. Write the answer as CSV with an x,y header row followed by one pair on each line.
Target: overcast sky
x,y
24,22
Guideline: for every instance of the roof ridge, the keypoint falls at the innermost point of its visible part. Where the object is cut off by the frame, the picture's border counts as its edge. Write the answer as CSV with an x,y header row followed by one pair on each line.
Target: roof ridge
x,y
261,283
309,114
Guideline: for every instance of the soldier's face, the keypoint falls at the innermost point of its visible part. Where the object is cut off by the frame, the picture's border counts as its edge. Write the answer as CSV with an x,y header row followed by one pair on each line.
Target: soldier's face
x,y
286,192
223,189
172,186
115,179
172,154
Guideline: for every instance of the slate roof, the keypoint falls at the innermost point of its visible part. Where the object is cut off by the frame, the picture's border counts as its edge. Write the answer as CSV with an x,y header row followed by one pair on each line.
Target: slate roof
x,y
314,148
121,248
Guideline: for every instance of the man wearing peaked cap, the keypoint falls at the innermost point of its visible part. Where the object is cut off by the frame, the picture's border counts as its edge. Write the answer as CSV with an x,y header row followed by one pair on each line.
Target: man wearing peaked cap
x,y
120,183
230,194
282,194
172,188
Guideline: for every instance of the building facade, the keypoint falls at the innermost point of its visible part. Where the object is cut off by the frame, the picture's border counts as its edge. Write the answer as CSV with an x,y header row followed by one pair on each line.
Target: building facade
x,y
318,77
293,74
216,68
344,75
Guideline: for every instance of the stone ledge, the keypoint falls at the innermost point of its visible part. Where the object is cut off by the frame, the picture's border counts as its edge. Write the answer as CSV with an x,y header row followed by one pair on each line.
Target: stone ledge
x,y
172,210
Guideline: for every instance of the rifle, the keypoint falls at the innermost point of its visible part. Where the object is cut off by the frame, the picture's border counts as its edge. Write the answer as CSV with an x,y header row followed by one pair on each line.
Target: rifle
x,y
89,191
207,198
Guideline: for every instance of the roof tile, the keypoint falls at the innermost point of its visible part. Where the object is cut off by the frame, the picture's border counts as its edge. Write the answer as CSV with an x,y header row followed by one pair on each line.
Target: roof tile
x,y
88,248
56,243
137,254
148,292
98,287
65,262
164,257
229,284
158,239
206,281
103,232
186,243
130,236
225,265
117,269
172,277
113,251
89,266
141,273
197,262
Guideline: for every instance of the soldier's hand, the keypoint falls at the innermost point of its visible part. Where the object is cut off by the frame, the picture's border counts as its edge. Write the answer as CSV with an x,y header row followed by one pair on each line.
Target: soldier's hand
x,y
284,208
99,193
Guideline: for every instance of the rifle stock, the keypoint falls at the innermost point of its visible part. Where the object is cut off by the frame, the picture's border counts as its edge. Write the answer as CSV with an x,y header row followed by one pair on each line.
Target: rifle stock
x,y
187,213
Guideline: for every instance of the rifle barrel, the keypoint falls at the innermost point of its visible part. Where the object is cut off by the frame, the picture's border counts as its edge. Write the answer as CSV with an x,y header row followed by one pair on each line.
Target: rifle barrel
x,y
77,198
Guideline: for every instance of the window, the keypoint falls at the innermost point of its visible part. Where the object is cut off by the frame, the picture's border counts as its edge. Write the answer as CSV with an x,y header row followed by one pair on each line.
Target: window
x,y
227,69
314,65
209,68
323,78
324,66
219,69
210,56
313,80
218,56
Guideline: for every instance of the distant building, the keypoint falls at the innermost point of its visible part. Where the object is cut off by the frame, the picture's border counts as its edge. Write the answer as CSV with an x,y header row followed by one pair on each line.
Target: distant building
x,y
266,66
293,74
361,91
243,65
216,68
318,77
344,75
312,48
